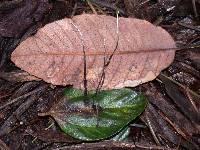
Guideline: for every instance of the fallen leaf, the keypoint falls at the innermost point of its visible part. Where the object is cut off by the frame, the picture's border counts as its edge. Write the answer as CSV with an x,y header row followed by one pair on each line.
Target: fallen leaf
x,y
55,53
114,110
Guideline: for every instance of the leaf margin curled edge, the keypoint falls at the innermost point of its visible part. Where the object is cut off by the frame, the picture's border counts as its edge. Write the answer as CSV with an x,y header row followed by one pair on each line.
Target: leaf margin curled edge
x,y
119,116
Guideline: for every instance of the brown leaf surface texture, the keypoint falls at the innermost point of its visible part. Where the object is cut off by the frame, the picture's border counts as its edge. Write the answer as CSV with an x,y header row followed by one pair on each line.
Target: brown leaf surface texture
x,y
55,53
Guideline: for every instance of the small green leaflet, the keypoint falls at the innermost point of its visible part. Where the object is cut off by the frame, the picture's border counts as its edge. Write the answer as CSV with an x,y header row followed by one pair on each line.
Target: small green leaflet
x,y
106,114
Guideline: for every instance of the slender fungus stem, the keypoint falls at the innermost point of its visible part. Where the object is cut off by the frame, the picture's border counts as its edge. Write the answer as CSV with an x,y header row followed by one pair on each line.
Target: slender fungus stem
x,y
85,74
84,59
105,65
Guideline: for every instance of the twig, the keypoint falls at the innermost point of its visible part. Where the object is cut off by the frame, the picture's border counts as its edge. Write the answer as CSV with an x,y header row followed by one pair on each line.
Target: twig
x,y
35,138
22,97
50,126
74,9
108,5
186,135
142,3
188,26
178,130
182,86
152,131
100,10
91,7
10,92
112,145
187,93
10,122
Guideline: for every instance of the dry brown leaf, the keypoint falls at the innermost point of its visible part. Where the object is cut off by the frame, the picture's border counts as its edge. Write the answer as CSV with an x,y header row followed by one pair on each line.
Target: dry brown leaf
x,y
55,53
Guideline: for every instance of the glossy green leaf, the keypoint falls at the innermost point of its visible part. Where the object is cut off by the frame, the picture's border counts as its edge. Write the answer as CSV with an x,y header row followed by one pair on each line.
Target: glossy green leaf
x,y
103,116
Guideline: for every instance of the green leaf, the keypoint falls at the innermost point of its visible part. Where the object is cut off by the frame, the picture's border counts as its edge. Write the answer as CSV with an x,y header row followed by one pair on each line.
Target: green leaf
x,y
122,136
105,114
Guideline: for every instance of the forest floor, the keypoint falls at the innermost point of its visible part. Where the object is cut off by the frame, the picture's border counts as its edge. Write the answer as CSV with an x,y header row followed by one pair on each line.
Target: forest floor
x,y
172,118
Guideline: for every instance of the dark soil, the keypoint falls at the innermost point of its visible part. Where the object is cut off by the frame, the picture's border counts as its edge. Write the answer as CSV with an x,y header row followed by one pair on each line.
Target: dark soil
x,y
172,118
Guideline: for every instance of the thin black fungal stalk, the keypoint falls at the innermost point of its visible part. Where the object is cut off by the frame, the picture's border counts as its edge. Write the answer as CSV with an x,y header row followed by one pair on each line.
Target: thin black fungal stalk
x,y
84,59
116,46
100,84
106,63
103,70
